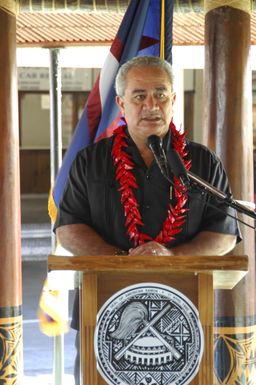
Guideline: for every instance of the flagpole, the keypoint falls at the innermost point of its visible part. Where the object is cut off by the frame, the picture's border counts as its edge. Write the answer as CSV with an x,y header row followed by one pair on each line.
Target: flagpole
x,y
56,158
168,22
162,30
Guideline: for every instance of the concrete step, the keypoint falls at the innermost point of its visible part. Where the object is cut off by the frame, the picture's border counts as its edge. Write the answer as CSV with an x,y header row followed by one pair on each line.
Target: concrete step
x,y
35,241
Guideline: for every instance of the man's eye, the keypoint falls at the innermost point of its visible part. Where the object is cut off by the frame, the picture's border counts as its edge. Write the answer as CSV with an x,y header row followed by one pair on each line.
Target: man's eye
x,y
161,96
139,97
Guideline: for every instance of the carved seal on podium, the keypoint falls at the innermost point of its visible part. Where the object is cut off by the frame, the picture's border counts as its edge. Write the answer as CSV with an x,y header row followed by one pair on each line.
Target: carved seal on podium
x,y
148,334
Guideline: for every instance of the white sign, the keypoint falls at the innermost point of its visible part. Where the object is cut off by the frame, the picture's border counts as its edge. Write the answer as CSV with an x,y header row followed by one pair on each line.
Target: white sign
x,y
37,79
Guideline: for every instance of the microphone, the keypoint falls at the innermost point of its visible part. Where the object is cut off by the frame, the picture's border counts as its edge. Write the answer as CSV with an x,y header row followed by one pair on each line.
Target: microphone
x,y
155,144
177,167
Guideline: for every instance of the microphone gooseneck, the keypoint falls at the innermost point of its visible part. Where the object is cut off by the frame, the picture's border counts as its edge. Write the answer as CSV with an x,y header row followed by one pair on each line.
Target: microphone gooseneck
x,y
154,142
177,167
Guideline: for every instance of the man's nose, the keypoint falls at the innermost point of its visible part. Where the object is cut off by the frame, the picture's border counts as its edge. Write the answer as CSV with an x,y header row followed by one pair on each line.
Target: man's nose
x,y
150,103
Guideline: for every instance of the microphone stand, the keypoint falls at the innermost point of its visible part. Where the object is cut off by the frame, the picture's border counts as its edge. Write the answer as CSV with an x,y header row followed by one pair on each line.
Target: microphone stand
x,y
191,180
194,180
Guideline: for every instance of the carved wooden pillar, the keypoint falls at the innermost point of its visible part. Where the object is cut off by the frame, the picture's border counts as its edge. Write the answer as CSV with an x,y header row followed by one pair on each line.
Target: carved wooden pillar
x,y
228,131
10,251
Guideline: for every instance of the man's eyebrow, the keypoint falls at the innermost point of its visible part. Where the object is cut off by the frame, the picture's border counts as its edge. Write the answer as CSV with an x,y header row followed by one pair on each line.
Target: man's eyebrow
x,y
161,88
138,90
142,90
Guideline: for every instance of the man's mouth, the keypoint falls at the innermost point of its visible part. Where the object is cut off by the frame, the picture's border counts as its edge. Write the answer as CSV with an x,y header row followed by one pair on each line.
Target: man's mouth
x,y
152,118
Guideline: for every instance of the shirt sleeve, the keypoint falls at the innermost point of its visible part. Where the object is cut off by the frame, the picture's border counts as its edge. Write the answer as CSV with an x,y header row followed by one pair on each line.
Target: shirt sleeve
x,y
74,206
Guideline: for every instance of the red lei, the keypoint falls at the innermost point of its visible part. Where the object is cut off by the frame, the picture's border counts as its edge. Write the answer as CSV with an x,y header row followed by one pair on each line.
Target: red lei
x,y
124,165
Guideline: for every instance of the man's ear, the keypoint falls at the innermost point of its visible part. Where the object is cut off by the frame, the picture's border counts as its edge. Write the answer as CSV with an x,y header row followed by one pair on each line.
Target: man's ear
x,y
173,97
120,103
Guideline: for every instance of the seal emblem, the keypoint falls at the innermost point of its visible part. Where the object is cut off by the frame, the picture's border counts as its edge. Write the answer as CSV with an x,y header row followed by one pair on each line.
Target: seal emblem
x,y
148,334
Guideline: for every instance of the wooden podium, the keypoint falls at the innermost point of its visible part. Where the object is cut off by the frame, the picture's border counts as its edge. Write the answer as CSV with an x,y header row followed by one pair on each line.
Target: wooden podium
x,y
195,276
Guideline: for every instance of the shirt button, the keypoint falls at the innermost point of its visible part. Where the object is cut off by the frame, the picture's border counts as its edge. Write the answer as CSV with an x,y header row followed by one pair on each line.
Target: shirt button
x,y
147,176
147,207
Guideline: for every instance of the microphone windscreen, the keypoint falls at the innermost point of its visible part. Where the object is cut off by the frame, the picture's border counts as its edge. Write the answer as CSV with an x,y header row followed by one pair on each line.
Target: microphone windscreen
x,y
154,141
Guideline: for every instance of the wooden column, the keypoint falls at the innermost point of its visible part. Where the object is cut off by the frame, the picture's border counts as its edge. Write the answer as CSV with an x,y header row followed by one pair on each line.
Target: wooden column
x,y
228,131
10,251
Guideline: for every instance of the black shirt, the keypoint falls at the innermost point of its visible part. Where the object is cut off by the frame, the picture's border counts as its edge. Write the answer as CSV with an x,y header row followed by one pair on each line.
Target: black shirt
x,y
91,195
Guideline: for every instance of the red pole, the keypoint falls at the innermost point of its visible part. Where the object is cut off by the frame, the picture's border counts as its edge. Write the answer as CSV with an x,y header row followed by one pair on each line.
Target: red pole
x,y
10,250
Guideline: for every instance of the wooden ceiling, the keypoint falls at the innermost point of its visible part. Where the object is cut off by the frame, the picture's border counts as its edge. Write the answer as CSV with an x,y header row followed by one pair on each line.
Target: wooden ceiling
x,y
53,29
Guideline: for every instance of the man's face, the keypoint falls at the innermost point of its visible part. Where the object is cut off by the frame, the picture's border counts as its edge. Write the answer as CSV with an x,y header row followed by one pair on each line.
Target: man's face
x,y
147,104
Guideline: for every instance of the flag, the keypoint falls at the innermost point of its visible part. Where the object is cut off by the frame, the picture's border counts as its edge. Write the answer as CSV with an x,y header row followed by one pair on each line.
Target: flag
x,y
146,29
52,311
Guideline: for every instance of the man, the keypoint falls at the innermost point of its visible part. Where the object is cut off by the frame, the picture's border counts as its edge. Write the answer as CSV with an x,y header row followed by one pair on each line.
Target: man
x,y
116,199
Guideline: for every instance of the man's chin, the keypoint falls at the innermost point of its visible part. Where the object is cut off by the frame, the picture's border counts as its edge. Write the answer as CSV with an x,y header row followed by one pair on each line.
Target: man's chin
x,y
154,129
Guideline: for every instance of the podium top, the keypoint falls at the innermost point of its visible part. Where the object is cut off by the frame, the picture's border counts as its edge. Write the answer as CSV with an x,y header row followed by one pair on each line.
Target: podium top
x,y
227,270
